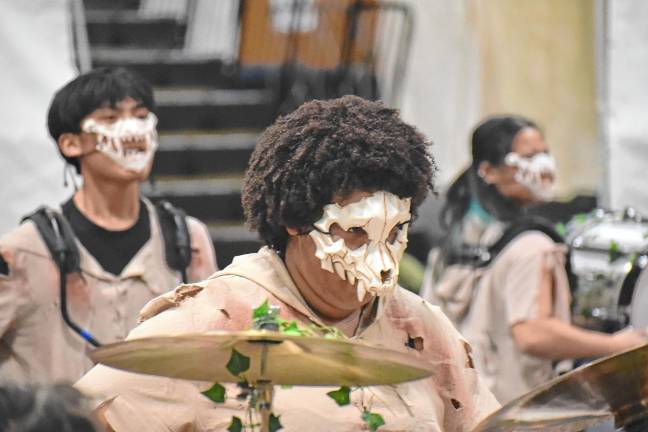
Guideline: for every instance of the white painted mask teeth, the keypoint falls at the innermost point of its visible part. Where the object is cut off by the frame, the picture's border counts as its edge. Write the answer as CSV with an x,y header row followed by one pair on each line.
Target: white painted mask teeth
x,y
131,142
372,267
537,174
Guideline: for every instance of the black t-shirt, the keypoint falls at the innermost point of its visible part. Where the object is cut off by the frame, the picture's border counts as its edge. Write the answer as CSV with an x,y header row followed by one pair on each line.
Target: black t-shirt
x,y
113,250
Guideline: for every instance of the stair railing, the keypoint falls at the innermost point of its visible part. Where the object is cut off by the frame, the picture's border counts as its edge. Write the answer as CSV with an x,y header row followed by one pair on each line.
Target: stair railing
x,y
373,52
80,42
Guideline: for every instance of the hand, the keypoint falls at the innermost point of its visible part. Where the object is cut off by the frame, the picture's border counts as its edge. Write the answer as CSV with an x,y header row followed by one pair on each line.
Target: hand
x,y
629,338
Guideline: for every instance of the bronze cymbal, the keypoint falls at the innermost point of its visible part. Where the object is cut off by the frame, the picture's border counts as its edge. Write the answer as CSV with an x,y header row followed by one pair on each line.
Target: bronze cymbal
x,y
289,360
615,386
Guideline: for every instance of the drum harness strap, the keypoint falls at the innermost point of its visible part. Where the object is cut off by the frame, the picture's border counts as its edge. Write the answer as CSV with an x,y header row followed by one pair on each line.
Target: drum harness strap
x,y
60,240
480,257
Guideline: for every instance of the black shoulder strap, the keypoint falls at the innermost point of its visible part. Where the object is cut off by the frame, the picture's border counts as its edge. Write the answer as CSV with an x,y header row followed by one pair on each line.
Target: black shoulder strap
x,y
177,241
523,225
479,256
482,257
59,239
535,223
58,236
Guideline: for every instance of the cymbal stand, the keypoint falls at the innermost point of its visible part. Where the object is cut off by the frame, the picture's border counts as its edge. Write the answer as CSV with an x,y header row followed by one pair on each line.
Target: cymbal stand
x,y
265,392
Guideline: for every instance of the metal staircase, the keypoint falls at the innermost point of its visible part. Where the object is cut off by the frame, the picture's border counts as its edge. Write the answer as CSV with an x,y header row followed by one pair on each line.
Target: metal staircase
x,y
211,109
208,119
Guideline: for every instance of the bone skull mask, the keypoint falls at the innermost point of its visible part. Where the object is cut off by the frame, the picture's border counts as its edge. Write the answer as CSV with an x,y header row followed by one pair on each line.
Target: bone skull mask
x,y
373,266
537,173
117,140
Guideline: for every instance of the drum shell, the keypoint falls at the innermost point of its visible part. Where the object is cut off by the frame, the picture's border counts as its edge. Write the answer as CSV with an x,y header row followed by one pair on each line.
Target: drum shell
x,y
605,248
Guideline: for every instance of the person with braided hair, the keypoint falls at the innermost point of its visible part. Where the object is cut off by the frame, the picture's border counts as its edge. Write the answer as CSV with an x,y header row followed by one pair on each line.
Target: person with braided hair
x,y
331,189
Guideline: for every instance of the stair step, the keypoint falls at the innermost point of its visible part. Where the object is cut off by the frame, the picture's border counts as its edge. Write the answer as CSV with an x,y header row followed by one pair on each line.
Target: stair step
x,y
183,96
232,240
111,4
174,67
191,154
178,71
208,109
105,55
128,29
211,198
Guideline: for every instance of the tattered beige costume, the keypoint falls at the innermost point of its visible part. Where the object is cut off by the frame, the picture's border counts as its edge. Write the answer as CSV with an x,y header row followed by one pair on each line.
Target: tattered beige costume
x,y
35,344
484,304
453,399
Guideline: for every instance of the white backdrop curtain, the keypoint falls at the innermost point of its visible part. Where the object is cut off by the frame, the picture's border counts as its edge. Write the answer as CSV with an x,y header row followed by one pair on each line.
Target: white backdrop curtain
x,y
35,59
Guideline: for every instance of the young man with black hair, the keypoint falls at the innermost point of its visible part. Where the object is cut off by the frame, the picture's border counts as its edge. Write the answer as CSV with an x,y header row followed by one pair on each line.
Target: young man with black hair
x,y
331,189
81,273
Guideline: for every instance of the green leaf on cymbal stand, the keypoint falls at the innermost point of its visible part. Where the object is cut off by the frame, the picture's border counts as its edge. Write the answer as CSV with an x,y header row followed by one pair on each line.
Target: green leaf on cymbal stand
x,y
341,396
275,424
373,420
261,311
216,393
238,363
236,425
292,329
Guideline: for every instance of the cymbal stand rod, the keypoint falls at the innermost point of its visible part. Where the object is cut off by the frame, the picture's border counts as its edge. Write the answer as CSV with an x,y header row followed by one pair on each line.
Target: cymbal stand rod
x,y
265,390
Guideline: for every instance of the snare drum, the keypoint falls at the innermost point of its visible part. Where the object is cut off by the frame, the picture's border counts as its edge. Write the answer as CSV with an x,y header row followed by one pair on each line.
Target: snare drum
x,y
608,253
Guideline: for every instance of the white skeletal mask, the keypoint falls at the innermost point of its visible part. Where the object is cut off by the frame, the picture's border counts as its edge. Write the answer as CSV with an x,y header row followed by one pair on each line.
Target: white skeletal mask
x,y
373,266
537,174
131,142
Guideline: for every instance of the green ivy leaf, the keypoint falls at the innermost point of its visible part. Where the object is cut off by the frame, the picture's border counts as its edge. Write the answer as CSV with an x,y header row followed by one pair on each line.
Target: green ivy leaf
x,y
216,393
614,251
292,329
341,396
580,218
373,420
274,424
261,311
236,425
561,229
238,363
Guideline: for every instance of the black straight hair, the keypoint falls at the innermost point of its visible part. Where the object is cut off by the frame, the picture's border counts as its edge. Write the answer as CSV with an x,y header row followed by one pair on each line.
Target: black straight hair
x,y
491,141
95,89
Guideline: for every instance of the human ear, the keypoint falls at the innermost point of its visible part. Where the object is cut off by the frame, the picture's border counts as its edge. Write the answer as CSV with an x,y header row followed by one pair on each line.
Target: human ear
x,y
70,145
488,173
293,231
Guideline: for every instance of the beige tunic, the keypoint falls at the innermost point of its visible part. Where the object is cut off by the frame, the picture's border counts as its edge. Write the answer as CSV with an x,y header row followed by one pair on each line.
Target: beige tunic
x,y
486,303
35,344
454,399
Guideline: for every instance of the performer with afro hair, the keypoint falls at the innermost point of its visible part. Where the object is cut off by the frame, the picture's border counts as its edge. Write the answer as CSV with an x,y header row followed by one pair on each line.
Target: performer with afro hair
x,y
331,190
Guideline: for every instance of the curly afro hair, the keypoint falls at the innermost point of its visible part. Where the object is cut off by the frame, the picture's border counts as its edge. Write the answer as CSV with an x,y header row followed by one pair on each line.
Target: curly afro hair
x,y
328,149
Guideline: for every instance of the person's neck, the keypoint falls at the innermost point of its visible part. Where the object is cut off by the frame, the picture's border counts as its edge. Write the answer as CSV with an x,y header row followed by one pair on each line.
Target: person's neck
x,y
327,312
111,206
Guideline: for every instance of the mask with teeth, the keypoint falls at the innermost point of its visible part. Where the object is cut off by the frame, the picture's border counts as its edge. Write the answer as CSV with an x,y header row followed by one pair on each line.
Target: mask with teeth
x,y
373,266
537,173
131,142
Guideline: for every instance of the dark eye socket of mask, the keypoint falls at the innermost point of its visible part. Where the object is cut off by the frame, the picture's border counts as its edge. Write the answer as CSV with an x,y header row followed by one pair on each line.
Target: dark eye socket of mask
x,y
356,230
393,234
